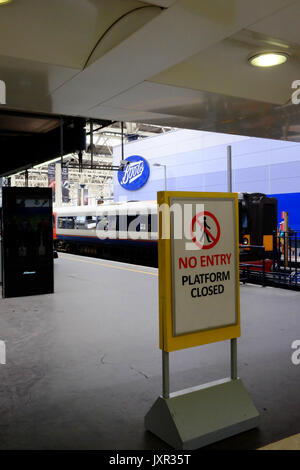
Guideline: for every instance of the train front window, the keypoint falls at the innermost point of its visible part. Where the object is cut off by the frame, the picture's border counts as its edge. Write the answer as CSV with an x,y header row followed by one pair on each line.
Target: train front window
x,y
269,218
244,219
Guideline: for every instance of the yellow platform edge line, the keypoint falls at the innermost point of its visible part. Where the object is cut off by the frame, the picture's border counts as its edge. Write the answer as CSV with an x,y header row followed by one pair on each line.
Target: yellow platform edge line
x,y
289,443
121,268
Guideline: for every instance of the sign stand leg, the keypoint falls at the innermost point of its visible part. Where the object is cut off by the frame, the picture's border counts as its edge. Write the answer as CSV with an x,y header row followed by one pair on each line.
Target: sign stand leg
x,y
233,358
165,375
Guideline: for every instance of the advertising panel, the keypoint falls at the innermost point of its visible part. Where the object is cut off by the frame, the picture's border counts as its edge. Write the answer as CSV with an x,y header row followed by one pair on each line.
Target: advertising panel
x,y
27,241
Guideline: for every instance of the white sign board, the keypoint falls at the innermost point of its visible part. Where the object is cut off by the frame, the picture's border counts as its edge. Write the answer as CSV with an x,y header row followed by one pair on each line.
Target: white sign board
x,y
204,276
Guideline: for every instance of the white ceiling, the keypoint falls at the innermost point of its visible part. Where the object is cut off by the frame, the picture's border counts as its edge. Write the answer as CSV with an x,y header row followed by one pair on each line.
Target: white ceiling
x,y
175,62
161,3
223,68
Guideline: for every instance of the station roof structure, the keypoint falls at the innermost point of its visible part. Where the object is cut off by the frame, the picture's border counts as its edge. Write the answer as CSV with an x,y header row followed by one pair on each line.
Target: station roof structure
x,y
178,63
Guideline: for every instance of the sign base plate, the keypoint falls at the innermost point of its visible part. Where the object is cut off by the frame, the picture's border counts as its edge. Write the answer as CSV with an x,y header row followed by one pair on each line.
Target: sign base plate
x,y
199,416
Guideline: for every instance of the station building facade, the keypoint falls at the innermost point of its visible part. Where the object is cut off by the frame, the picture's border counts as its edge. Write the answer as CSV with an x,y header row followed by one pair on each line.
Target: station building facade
x,y
197,161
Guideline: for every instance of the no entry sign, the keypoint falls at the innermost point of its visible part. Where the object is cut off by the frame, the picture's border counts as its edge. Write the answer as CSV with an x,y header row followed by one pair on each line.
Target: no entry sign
x,y
198,269
208,238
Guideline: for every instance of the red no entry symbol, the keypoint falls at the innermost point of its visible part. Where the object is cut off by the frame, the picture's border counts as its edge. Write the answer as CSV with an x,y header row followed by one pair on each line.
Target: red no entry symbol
x,y
209,230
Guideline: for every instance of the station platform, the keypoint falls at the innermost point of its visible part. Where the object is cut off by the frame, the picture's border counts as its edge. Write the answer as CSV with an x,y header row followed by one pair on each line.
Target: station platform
x,y
83,364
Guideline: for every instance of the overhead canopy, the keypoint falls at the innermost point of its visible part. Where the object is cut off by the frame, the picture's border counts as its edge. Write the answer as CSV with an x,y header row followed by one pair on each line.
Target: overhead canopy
x,y
28,139
180,63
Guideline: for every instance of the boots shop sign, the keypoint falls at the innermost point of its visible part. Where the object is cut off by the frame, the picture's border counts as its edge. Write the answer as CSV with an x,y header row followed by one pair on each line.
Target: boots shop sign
x,y
135,174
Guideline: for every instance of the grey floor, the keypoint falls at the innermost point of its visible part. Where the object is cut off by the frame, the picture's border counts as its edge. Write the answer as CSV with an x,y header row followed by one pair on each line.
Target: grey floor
x,y
83,365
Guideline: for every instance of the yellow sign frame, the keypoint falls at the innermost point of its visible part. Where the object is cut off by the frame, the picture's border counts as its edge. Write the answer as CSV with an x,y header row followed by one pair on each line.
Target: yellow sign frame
x,y
168,342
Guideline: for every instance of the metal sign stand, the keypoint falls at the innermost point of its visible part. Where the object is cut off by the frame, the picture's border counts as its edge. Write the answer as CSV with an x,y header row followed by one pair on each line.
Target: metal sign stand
x,y
199,416
233,341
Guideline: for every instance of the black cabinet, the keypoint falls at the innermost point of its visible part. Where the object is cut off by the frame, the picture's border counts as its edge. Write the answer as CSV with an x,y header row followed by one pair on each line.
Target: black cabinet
x,y
27,241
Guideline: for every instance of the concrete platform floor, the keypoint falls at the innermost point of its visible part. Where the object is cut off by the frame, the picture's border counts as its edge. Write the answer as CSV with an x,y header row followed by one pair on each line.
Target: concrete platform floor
x,y
83,365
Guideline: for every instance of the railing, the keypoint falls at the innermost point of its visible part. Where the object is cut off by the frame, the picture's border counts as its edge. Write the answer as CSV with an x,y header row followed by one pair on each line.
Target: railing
x,y
286,258
255,270
282,270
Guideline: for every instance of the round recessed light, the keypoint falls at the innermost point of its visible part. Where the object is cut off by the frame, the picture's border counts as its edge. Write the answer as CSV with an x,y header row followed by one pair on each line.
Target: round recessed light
x,y
268,59
3,2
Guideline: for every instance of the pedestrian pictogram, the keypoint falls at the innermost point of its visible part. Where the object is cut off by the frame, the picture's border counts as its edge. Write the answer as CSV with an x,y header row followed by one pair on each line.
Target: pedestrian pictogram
x,y
205,230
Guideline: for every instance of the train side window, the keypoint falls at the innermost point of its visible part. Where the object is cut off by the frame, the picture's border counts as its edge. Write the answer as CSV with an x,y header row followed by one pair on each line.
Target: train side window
x,y
80,222
102,222
113,223
62,222
122,225
153,226
70,222
133,223
91,221
144,223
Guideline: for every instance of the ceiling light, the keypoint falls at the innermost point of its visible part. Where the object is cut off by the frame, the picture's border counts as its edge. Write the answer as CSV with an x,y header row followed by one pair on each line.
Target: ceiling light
x,y
3,2
268,59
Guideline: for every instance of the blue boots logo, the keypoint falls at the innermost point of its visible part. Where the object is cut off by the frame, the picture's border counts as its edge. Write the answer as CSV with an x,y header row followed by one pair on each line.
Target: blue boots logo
x,y
135,175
